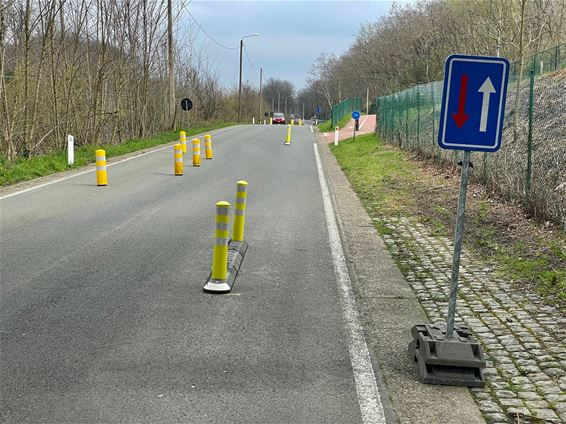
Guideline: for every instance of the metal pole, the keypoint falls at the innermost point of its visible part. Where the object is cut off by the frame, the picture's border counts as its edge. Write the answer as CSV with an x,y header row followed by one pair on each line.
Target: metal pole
x,y
367,101
260,97
240,86
530,133
458,244
303,115
279,102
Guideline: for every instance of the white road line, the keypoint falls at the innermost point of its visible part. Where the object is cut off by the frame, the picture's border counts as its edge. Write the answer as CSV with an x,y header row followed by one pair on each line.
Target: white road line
x,y
312,131
369,399
94,169
362,125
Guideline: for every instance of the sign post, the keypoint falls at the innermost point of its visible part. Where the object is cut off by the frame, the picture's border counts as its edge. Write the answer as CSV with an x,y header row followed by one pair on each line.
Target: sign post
x,y
186,105
356,117
471,119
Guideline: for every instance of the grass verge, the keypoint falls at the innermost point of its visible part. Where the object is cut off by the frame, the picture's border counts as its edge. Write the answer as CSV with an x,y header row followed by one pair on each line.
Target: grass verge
x,y
23,169
391,183
326,126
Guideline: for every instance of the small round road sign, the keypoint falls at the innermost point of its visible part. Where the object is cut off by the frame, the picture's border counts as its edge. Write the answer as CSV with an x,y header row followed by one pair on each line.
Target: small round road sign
x,y
186,104
356,115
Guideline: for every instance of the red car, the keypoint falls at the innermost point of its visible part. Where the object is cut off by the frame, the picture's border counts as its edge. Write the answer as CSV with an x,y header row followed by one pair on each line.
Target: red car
x,y
278,118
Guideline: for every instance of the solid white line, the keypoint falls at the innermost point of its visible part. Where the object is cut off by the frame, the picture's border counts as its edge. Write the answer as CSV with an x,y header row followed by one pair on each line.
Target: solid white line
x,y
312,131
369,399
94,169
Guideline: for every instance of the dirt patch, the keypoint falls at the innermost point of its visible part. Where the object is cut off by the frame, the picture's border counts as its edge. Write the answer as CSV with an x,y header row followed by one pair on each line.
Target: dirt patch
x,y
529,252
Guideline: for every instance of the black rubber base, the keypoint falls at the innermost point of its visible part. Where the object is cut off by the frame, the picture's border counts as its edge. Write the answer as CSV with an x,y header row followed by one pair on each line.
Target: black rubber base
x,y
455,361
236,253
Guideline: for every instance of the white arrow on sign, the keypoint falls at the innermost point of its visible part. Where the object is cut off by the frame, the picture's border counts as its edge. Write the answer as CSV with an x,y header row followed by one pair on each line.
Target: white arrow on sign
x,y
487,89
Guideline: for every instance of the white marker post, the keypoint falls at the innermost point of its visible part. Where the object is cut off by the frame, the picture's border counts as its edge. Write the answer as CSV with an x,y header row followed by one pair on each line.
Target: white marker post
x,y
253,120
70,149
336,136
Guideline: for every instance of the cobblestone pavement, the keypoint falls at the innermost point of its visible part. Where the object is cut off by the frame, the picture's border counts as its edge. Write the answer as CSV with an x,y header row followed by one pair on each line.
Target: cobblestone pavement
x,y
523,340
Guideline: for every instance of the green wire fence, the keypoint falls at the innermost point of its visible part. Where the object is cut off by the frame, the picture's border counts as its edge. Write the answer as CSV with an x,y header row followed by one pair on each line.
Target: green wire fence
x,y
345,107
531,165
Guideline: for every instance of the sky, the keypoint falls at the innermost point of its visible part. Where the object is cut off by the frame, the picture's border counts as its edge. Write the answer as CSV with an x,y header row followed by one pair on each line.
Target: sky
x,y
292,34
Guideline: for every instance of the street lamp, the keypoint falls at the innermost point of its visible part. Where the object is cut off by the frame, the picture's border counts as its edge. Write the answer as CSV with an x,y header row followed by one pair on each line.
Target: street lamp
x,y
255,34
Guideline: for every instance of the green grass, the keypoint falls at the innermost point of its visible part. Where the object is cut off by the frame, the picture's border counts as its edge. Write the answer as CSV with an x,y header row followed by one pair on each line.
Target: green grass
x,y
371,169
26,169
326,126
389,184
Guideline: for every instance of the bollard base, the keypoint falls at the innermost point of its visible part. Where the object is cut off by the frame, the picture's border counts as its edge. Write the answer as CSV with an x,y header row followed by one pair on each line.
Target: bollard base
x,y
236,253
455,361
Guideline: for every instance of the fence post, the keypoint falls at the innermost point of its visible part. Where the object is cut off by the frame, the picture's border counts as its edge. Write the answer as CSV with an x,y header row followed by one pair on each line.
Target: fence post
x,y
433,117
418,118
530,134
406,117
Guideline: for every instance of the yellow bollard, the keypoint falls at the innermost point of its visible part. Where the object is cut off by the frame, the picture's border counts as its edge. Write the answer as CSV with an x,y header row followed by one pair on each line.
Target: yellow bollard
x,y
178,155
292,121
240,211
300,122
220,251
196,152
288,138
183,140
101,175
270,121
208,146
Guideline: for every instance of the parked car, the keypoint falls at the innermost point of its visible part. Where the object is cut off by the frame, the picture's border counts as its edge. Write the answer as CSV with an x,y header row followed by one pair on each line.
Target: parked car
x,y
278,118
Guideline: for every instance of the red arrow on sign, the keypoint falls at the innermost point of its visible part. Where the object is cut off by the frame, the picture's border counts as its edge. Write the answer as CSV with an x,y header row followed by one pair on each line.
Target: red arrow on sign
x,y
460,117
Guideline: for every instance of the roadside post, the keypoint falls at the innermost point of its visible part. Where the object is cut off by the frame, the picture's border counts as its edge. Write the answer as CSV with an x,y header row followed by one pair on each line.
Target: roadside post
x,y
336,133
471,119
101,173
178,159
70,149
356,117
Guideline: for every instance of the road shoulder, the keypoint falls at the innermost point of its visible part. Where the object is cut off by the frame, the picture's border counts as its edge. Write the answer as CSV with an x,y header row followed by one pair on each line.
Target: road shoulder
x,y
388,308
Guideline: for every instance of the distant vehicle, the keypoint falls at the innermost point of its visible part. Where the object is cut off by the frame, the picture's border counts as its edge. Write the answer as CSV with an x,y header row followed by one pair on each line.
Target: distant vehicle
x,y
278,118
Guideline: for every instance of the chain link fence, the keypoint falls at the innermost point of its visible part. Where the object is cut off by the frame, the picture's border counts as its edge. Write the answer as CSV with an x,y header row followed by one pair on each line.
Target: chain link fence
x,y
343,108
530,167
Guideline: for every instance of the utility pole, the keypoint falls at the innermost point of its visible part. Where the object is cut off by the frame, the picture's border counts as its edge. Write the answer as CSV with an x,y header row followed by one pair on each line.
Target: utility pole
x,y
240,86
303,115
260,97
171,63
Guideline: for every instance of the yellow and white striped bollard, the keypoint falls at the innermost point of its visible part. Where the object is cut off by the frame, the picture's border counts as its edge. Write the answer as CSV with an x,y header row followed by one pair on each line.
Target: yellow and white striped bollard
x,y
208,146
240,211
183,140
178,155
101,174
220,251
288,138
196,152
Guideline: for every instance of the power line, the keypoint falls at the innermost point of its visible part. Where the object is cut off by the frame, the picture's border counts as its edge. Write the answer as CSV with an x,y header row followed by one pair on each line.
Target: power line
x,y
249,61
207,34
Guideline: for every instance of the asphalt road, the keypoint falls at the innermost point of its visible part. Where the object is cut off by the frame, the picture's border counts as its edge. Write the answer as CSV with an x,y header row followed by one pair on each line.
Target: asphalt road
x,y
102,313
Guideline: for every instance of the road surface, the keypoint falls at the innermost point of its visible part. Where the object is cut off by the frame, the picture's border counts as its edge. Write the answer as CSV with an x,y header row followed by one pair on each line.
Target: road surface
x,y
103,318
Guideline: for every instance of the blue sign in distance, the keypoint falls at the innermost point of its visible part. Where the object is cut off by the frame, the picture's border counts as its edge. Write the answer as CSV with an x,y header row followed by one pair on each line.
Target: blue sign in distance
x,y
356,115
473,103
318,109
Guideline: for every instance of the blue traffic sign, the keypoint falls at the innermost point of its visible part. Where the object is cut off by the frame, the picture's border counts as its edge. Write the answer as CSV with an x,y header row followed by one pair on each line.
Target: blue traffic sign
x,y
473,103
356,115
318,109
